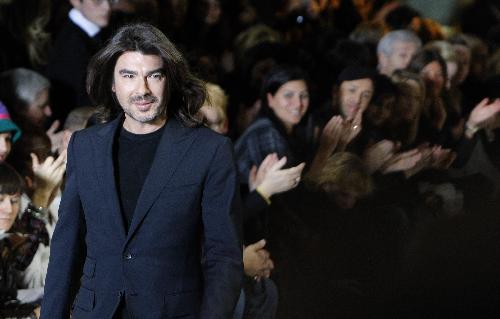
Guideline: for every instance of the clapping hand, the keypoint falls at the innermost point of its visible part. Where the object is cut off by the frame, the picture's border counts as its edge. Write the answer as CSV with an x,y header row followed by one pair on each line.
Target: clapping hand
x,y
48,177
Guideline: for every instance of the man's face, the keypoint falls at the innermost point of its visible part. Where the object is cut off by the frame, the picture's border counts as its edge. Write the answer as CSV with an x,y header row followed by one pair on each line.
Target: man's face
x,y
399,58
139,84
39,111
97,11
5,145
354,97
9,207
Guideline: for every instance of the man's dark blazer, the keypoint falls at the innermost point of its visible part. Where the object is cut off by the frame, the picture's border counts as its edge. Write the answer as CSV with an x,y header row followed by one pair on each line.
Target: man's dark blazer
x,y
182,254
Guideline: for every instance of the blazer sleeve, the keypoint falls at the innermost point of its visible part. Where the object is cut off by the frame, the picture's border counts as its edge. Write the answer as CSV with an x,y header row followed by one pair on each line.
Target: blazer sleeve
x,y
222,247
67,248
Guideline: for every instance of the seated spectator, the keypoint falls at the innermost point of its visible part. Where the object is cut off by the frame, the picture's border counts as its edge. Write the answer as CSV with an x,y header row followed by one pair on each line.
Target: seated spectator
x,y
285,100
396,49
26,95
76,120
214,109
43,175
19,241
74,45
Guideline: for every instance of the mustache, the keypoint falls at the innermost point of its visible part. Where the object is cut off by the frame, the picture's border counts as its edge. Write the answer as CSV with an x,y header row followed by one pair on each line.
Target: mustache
x,y
147,98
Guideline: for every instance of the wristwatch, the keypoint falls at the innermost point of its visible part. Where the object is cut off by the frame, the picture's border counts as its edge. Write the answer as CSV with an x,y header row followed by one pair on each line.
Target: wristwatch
x,y
37,211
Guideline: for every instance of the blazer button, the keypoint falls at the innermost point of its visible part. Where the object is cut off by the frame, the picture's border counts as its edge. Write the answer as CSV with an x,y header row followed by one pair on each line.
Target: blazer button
x,y
128,256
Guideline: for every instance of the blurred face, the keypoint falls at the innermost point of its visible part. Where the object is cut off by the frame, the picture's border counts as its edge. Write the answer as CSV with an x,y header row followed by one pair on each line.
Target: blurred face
x,y
399,58
451,72
9,207
97,11
139,85
433,76
213,12
290,102
354,97
463,63
214,119
411,100
345,199
5,145
39,111
381,112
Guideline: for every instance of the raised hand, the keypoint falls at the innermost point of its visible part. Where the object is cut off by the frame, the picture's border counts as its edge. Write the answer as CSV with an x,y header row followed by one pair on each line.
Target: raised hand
x,y
482,114
351,129
257,175
378,154
278,180
48,177
56,139
401,162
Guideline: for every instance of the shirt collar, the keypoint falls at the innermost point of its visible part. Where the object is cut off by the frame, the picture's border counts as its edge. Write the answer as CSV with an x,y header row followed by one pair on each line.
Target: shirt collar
x,y
85,24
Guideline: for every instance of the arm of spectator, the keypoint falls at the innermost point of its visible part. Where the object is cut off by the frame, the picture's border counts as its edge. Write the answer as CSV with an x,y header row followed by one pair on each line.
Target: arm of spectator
x,y
256,260
48,177
482,114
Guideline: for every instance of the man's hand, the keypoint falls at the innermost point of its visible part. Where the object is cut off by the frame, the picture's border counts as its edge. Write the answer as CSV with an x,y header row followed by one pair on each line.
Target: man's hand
x,y
256,260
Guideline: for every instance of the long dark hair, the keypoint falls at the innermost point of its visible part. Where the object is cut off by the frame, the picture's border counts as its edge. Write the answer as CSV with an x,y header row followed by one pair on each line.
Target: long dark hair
x,y
275,78
184,93
425,57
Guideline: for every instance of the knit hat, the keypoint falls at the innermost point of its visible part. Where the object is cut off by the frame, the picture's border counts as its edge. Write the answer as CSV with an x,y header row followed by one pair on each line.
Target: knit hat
x,y
352,73
6,124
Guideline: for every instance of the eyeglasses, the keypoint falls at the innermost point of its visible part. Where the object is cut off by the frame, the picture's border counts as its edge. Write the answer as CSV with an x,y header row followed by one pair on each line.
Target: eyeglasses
x,y
99,2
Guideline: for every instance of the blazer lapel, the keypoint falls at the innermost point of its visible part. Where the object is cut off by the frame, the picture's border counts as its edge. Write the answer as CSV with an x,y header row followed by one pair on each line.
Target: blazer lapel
x,y
103,147
174,144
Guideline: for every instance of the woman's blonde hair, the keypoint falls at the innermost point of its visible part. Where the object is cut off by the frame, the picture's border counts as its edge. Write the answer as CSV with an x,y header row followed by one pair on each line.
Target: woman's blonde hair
x,y
343,170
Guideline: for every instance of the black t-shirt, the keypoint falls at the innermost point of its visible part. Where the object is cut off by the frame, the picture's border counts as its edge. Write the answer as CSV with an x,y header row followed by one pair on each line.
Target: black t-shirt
x,y
133,155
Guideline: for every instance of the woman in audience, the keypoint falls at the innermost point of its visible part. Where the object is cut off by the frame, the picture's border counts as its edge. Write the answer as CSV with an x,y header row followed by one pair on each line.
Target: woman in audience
x,y
432,68
19,240
285,101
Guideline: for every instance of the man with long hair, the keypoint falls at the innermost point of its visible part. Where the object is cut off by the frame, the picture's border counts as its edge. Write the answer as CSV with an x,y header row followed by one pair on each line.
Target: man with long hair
x,y
149,220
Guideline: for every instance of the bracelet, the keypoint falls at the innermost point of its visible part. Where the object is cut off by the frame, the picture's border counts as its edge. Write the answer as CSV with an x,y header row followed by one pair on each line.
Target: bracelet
x,y
266,199
37,211
470,130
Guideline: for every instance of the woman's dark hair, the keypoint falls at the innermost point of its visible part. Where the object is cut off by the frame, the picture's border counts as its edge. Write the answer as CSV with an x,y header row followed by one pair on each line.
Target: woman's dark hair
x,y
276,77
10,181
184,93
425,57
